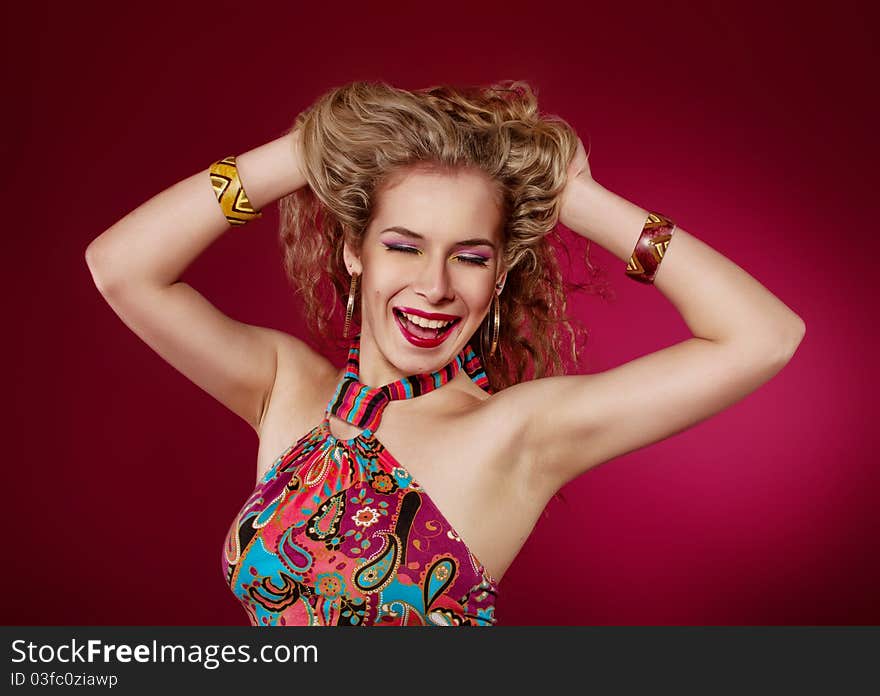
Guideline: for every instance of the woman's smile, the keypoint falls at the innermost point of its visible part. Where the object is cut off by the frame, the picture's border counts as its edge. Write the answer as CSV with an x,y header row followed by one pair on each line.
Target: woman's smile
x,y
424,333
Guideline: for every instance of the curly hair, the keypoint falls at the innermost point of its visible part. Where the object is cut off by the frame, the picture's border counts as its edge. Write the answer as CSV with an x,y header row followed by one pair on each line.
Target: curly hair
x,y
357,138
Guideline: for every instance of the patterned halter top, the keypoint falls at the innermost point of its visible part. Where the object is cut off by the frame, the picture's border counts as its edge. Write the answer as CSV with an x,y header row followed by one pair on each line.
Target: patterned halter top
x,y
338,533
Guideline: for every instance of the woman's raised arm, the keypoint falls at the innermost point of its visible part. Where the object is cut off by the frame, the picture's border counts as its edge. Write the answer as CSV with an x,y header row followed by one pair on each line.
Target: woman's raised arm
x,y
743,336
156,242
136,264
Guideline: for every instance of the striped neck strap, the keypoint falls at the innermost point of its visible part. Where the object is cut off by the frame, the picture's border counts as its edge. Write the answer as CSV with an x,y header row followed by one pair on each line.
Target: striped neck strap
x,y
362,405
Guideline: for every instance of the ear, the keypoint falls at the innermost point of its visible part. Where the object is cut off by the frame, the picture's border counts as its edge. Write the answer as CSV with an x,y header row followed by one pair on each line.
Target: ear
x,y
351,257
499,283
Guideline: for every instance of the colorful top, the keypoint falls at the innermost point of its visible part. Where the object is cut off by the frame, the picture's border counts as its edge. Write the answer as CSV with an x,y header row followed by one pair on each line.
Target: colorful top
x,y
337,532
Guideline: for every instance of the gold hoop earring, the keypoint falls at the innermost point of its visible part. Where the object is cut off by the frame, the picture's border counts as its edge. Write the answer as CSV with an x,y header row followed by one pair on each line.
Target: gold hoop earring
x,y
349,309
496,326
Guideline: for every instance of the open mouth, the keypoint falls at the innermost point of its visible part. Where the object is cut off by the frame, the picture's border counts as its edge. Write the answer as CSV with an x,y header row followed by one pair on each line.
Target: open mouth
x,y
425,333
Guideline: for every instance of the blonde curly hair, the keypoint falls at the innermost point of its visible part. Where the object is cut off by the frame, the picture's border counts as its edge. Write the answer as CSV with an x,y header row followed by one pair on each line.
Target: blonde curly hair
x,y
358,137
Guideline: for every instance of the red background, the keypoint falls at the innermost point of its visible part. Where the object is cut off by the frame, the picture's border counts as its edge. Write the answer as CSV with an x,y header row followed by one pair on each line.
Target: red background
x,y
751,126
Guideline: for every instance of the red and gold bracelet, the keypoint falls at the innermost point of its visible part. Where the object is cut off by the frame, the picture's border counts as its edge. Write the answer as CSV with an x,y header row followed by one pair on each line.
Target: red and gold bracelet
x,y
650,248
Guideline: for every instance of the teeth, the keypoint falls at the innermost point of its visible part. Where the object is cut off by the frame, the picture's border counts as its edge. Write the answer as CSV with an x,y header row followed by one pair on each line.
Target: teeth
x,y
426,323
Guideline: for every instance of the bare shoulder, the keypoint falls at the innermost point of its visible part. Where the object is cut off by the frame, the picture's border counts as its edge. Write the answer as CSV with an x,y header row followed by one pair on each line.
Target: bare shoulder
x,y
301,373
299,358
503,416
295,402
570,424
300,367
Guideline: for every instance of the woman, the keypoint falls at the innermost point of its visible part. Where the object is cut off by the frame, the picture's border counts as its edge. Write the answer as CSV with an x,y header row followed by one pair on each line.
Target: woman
x,y
419,468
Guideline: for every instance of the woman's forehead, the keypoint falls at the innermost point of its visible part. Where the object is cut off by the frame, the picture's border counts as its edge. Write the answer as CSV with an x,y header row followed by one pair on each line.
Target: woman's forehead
x,y
440,204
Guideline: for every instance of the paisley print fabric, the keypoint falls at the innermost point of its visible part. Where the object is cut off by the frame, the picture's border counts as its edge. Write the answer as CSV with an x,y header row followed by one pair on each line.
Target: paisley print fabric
x,y
337,532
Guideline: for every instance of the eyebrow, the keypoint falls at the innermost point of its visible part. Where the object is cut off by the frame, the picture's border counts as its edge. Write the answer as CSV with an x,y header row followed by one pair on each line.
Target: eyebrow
x,y
480,241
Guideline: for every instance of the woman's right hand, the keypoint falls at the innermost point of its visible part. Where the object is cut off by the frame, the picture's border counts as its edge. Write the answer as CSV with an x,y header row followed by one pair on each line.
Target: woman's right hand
x,y
296,139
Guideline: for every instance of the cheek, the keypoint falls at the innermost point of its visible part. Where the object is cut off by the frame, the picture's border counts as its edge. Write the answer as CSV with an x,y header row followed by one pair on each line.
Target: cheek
x,y
478,301
381,291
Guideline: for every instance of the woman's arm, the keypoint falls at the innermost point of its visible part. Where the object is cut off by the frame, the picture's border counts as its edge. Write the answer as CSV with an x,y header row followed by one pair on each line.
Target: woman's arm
x,y
155,243
136,265
743,336
718,300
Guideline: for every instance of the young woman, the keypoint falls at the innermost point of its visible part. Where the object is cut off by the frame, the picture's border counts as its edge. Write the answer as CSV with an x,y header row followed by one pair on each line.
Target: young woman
x,y
419,468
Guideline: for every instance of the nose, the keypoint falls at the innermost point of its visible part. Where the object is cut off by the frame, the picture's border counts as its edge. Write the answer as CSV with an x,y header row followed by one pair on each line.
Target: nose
x,y
433,281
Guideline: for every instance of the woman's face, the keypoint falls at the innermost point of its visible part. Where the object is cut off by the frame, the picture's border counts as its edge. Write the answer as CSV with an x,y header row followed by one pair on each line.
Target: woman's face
x,y
432,248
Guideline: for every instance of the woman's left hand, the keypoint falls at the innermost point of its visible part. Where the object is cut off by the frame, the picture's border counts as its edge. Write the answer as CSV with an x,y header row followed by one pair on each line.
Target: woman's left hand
x,y
578,171
579,166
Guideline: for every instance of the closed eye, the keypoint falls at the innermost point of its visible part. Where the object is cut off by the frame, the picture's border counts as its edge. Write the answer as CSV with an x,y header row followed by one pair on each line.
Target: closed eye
x,y
411,250
475,260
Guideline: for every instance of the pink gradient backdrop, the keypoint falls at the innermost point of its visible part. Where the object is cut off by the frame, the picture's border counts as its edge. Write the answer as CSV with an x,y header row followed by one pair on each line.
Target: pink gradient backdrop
x,y
752,126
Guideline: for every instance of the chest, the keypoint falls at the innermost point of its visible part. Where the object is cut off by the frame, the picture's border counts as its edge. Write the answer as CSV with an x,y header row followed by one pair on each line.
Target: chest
x,y
463,460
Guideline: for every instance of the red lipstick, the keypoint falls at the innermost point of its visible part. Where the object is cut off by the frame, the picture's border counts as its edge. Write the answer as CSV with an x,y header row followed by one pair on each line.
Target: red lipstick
x,y
424,341
428,315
